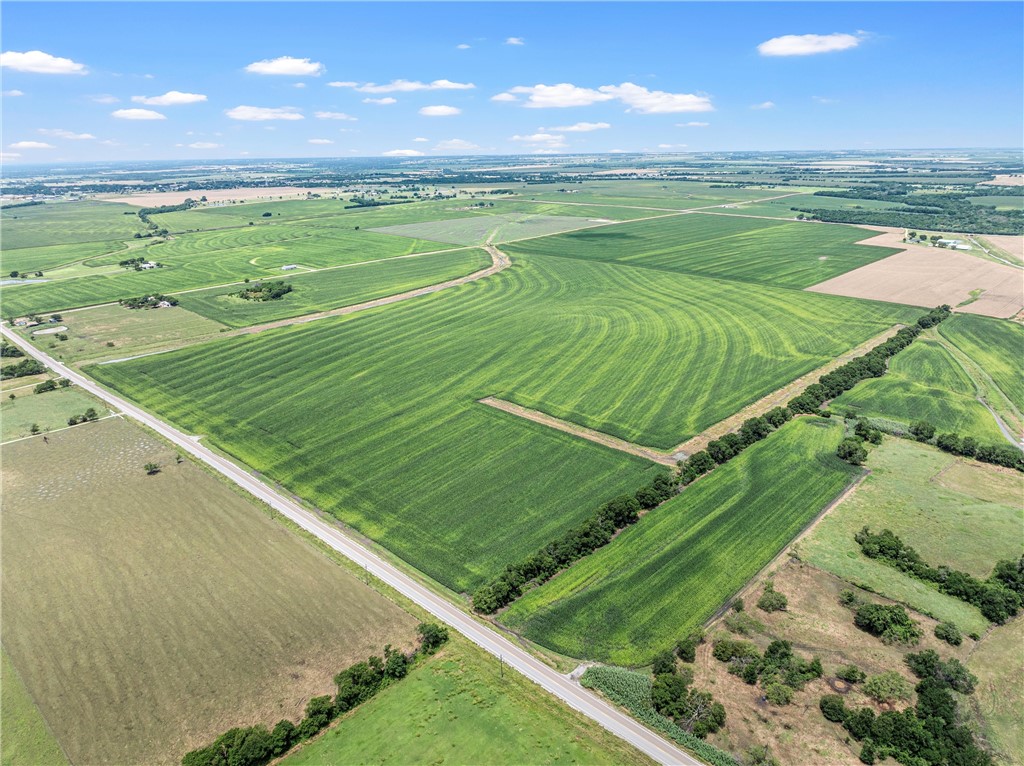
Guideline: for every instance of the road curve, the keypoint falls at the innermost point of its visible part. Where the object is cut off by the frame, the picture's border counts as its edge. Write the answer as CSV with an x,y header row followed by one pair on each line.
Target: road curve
x,y
576,697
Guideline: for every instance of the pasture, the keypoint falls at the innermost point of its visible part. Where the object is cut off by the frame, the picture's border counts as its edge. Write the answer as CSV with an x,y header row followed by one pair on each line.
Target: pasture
x,y
925,382
727,247
335,287
996,347
28,260
497,228
377,420
26,741
49,411
456,708
191,610
63,223
1000,695
962,514
671,571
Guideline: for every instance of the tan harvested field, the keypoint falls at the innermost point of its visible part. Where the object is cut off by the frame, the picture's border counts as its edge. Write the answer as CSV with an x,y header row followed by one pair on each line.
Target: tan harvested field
x,y
148,614
930,276
1005,180
1009,244
155,199
817,625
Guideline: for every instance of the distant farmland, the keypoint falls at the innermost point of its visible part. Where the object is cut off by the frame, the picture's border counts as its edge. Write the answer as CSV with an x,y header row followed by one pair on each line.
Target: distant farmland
x,y
670,572
997,347
377,422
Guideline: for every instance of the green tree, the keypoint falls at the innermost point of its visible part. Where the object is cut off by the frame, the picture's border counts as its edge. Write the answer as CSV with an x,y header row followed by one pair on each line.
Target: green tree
x,y
432,636
771,600
852,451
151,469
922,430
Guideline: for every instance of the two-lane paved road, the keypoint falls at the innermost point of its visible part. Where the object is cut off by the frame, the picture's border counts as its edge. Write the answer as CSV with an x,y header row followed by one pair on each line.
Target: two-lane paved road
x,y
620,724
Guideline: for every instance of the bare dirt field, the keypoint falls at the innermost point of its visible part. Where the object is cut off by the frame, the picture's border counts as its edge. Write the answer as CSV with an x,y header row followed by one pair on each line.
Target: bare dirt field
x,y
1005,180
1008,243
155,199
929,276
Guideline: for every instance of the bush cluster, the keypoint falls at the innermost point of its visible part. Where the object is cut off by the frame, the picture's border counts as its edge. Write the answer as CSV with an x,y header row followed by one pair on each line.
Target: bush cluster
x,y
777,667
771,600
147,301
998,598
890,622
86,417
265,291
21,369
573,545
998,454
10,350
256,745
686,649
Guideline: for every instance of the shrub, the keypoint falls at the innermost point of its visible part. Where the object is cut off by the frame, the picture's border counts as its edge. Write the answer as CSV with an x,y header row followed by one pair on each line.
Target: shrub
x,y
851,674
833,708
664,663
889,622
432,636
778,694
887,687
760,755
849,599
852,451
867,753
743,624
771,600
686,649
950,633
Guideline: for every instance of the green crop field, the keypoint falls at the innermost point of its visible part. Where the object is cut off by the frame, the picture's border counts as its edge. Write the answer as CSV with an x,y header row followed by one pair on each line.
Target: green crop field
x,y
749,249
672,570
783,208
925,382
995,345
68,222
656,193
496,228
376,419
147,614
457,708
956,513
49,411
336,287
31,259
26,741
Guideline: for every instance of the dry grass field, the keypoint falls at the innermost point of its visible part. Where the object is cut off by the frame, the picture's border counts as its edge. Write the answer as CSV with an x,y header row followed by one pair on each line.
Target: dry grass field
x,y
147,614
250,194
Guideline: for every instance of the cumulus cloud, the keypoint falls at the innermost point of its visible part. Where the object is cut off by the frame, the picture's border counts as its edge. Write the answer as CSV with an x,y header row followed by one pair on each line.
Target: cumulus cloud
x,y
403,153
13,93
545,140
580,127
764,105
204,145
334,116
440,111
61,133
342,84
504,97
40,63
137,114
640,99
692,124
515,41
320,141
287,65
808,45
170,98
409,86
263,113
561,95
455,145
30,145
387,100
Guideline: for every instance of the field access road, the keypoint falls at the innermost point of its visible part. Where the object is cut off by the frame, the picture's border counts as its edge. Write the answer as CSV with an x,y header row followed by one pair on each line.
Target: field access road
x,y
576,697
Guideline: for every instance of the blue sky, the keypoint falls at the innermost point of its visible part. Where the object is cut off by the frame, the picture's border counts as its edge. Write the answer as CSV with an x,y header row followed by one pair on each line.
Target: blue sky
x,y
308,79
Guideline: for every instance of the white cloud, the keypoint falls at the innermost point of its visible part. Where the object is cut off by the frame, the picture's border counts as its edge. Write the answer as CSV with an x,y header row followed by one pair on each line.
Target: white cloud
x,y
808,45
515,41
440,111
137,114
455,145
333,116
30,145
764,105
170,98
8,155
403,153
320,141
204,145
13,93
287,65
61,133
504,97
108,142
342,84
824,100
546,140
580,127
40,63
298,85
463,46
263,113
421,140
381,101
671,146
408,86
560,95
104,98
644,101
692,124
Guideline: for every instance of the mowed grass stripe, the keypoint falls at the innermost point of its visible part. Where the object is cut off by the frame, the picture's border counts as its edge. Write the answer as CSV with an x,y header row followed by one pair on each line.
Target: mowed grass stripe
x,y
671,571
374,416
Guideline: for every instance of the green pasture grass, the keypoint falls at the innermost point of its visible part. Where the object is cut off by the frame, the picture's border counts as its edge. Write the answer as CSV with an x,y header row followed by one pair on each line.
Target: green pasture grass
x,y
335,288
783,208
211,258
995,345
62,223
671,571
373,417
678,195
503,206
131,331
28,260
999,203
145,614
458,708
998,664
748,249
497,228
26,741
956,513
49,411
925,382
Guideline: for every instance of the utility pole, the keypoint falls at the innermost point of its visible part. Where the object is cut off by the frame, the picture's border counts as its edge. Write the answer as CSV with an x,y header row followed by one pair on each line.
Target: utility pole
x,y
501,665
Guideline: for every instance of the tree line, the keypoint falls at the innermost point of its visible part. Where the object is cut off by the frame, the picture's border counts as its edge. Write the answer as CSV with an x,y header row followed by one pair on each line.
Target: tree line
x,y
265,291
257,745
